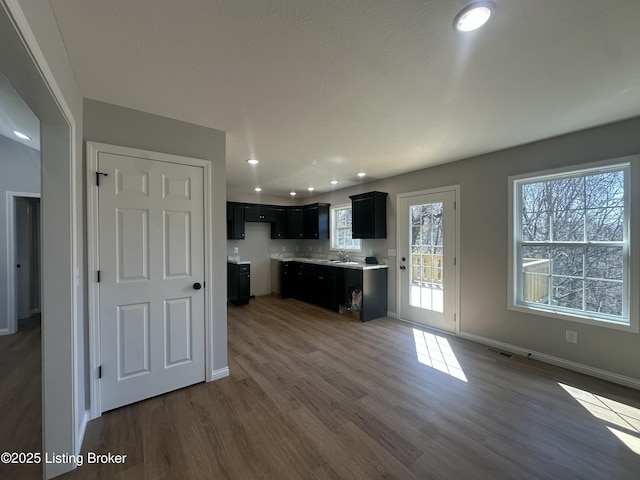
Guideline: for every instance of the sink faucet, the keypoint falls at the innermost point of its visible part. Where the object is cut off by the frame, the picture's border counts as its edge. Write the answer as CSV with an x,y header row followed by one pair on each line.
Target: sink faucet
x,y
344,257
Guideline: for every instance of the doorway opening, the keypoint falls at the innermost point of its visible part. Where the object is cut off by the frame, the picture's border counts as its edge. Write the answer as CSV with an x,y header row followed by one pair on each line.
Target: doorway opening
x,y
20,279
23,260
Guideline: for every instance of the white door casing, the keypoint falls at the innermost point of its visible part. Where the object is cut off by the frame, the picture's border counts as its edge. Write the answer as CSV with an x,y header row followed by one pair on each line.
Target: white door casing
x,y
150,332
427,258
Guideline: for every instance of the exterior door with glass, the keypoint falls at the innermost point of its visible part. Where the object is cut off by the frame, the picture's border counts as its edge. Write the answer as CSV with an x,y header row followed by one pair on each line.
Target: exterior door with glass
x,y
427,244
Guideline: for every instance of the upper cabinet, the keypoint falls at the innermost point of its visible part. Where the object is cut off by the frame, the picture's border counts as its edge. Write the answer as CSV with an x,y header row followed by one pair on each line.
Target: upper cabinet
x,y
369,215
279,227
304,222
295,222
235,221
260,213
316,221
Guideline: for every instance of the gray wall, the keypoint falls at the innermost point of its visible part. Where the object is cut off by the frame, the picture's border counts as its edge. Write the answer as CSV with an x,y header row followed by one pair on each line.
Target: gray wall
x,y
484,238
19,172
115,125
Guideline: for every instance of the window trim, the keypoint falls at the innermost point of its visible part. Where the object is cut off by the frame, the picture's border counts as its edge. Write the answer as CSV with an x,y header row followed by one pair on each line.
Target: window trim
x,y
632,242
334,230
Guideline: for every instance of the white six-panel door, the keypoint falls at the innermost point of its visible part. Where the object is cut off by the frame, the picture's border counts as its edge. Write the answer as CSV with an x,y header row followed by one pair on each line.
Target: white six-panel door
x,y
151,258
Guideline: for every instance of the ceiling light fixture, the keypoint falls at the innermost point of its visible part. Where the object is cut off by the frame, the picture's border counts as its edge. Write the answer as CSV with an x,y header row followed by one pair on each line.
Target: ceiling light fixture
x,y
21,135
253,161
311,189
293,194
361,174
258,189
333,182
473,16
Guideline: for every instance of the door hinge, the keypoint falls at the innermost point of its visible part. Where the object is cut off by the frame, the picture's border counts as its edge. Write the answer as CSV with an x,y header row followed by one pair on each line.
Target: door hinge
x,y
455,317
100,371
98,276
98,177
455,261
455,205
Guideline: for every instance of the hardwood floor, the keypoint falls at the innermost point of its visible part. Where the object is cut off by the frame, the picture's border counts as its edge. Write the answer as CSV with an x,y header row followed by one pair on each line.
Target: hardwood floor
x,y
21,397
314,395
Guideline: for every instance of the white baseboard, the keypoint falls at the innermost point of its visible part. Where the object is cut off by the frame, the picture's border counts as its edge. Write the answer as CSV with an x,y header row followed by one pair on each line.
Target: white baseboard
x,y
559,362
34,311
392,314
220,373
4,331
81,429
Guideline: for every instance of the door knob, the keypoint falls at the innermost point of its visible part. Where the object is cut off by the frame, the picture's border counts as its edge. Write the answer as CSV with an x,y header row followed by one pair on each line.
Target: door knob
x,y
197,286
402,267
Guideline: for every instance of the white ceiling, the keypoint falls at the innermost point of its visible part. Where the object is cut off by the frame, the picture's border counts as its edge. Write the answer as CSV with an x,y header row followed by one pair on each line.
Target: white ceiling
x,y
320,89
16,115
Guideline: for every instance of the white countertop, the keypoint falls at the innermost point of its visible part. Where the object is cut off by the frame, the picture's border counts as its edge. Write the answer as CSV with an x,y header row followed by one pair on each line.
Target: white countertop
x,y
332,263
238,262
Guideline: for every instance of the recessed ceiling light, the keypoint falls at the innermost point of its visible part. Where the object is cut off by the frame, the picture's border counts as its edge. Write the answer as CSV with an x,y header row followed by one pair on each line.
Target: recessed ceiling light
x,y
253,161
361,174
258,189
21,135
474,16
311,189
333,182
293,194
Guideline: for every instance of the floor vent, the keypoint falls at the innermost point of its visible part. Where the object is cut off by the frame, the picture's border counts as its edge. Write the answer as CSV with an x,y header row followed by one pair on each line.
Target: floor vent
x,y
504,354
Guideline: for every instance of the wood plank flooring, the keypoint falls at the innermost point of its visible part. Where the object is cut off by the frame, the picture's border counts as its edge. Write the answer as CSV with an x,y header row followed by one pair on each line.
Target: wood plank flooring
x,y
314,395
21,397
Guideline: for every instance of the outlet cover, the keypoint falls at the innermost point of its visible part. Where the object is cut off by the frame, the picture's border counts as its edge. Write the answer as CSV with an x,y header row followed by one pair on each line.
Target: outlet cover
x,y
572,336
391,252
235,249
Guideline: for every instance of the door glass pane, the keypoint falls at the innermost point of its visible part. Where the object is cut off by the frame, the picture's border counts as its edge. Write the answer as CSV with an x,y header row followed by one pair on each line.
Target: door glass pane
x,y
426,282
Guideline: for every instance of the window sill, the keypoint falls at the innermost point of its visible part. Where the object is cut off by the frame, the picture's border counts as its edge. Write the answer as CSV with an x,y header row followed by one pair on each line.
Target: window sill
x,y
632,327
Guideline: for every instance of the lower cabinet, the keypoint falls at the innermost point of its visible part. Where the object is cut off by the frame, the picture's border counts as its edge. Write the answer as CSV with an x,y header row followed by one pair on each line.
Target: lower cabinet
x,y
332,287
238,283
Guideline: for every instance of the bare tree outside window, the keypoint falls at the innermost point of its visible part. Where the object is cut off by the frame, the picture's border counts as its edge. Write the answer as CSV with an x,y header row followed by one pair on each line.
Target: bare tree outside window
x,y
572,239
341,223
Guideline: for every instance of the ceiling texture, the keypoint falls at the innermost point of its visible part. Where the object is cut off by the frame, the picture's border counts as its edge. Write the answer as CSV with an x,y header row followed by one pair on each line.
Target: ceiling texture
x,y
321,89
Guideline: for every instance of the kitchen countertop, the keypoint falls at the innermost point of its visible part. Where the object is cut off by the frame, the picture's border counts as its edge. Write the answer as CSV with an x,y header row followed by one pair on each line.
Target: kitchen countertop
x,y
333,263
238,262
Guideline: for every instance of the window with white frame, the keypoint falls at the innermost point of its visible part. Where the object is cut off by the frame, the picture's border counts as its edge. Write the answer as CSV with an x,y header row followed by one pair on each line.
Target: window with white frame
x,y
571,244
341,230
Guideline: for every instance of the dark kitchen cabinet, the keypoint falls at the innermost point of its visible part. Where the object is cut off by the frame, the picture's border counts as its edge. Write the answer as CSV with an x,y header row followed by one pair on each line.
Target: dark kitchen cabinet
x,y
235,221
279,227
238,283
324,282
369,215
370,287
288,279
316,221
260,213
295,222
329,286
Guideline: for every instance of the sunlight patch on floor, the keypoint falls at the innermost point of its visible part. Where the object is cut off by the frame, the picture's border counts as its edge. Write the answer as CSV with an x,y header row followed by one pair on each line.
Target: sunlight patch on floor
x,y
623,420
435,352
